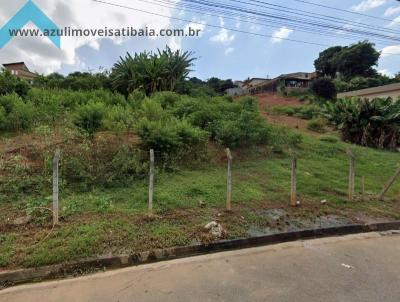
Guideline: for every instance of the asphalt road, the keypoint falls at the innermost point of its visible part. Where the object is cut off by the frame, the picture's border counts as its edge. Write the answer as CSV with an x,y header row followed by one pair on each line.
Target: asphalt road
x,y
352,268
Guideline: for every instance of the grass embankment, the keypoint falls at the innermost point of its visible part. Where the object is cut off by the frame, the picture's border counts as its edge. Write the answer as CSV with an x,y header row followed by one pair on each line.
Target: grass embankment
x,y
114,220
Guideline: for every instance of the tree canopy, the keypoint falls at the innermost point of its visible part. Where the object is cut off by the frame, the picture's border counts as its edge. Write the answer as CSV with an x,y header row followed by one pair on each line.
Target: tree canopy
x,y
350,61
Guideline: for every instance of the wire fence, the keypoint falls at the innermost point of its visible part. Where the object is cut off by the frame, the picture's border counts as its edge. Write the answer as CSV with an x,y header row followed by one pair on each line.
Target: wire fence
x,y
294,200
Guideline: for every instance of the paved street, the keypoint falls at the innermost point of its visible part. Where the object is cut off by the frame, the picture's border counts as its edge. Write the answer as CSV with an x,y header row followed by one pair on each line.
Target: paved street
x,y
352,268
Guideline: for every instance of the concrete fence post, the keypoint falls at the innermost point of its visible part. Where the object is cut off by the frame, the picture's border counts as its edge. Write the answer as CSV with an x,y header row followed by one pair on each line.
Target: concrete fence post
x,y
352,175
293,184
229,181
151,181
363,187
56,164
389,184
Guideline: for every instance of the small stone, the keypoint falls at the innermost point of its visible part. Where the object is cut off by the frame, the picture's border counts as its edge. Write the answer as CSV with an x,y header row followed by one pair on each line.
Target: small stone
x,y
211,225
219,215
215,229
22,220
347,266
324,201
298,202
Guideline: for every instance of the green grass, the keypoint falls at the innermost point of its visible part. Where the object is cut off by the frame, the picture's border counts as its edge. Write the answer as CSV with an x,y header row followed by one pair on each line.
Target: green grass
x,y
6,249
113,220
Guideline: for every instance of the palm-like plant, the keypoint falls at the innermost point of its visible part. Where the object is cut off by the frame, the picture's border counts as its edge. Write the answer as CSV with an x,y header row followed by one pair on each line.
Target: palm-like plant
x,y
151,72
374,123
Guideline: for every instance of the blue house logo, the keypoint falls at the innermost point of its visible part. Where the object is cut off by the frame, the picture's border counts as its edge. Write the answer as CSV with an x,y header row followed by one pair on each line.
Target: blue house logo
x,y
30,12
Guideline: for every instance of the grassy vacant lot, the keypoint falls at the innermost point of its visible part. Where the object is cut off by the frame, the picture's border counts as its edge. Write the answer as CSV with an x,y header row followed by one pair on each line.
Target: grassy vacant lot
x,y
114,220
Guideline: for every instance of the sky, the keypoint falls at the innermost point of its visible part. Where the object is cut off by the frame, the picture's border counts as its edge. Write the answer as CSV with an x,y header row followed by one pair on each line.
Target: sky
x,y
220,52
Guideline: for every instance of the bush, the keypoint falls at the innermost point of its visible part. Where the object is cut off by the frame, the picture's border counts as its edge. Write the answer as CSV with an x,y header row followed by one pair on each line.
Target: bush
x,y
324,88
305,112
106,162
90,117
11,84
169,136
317,125
166,98
118,119
17,115
136,96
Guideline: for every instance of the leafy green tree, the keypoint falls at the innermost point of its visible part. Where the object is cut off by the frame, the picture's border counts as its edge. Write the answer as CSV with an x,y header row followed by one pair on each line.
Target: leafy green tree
x,y
350,61
219,86
76,81
358,60
326,62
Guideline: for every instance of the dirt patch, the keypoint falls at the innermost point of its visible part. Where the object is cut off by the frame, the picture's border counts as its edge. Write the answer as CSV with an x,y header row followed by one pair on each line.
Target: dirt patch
x,y
272,99
290,122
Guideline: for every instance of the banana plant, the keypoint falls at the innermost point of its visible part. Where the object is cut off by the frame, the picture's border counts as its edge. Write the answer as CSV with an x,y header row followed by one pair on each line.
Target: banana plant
x,y
373,123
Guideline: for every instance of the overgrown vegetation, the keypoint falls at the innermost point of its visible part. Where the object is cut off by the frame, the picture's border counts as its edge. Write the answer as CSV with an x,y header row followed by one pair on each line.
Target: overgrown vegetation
x,y
11,84
372,123
113,220
105,129
105,138
352,67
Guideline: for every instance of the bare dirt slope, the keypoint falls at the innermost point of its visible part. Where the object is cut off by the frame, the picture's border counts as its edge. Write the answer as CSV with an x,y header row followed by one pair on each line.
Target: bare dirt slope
x,y
268,100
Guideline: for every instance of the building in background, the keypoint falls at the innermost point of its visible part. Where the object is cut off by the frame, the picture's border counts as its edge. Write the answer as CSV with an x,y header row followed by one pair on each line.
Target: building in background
x,y
237,91
20,70
298,81
391,90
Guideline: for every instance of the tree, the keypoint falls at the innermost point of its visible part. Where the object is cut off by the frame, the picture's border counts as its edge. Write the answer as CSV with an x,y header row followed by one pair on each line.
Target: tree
x,y
324,88
350,61
358,60
75,81
326,64
219,85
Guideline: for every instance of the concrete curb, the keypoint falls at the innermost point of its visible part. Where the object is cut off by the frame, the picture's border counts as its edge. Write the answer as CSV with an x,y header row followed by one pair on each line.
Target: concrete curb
x,y
20,276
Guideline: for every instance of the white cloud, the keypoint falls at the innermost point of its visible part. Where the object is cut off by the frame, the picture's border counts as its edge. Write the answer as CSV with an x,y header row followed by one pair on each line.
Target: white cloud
x,y
385,72
223,35
229,50
395,22
366,5
44,57
390,50
392,11
282,33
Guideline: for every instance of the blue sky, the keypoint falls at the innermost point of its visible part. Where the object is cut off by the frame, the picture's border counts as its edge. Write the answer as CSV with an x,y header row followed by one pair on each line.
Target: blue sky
x,y
220,53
